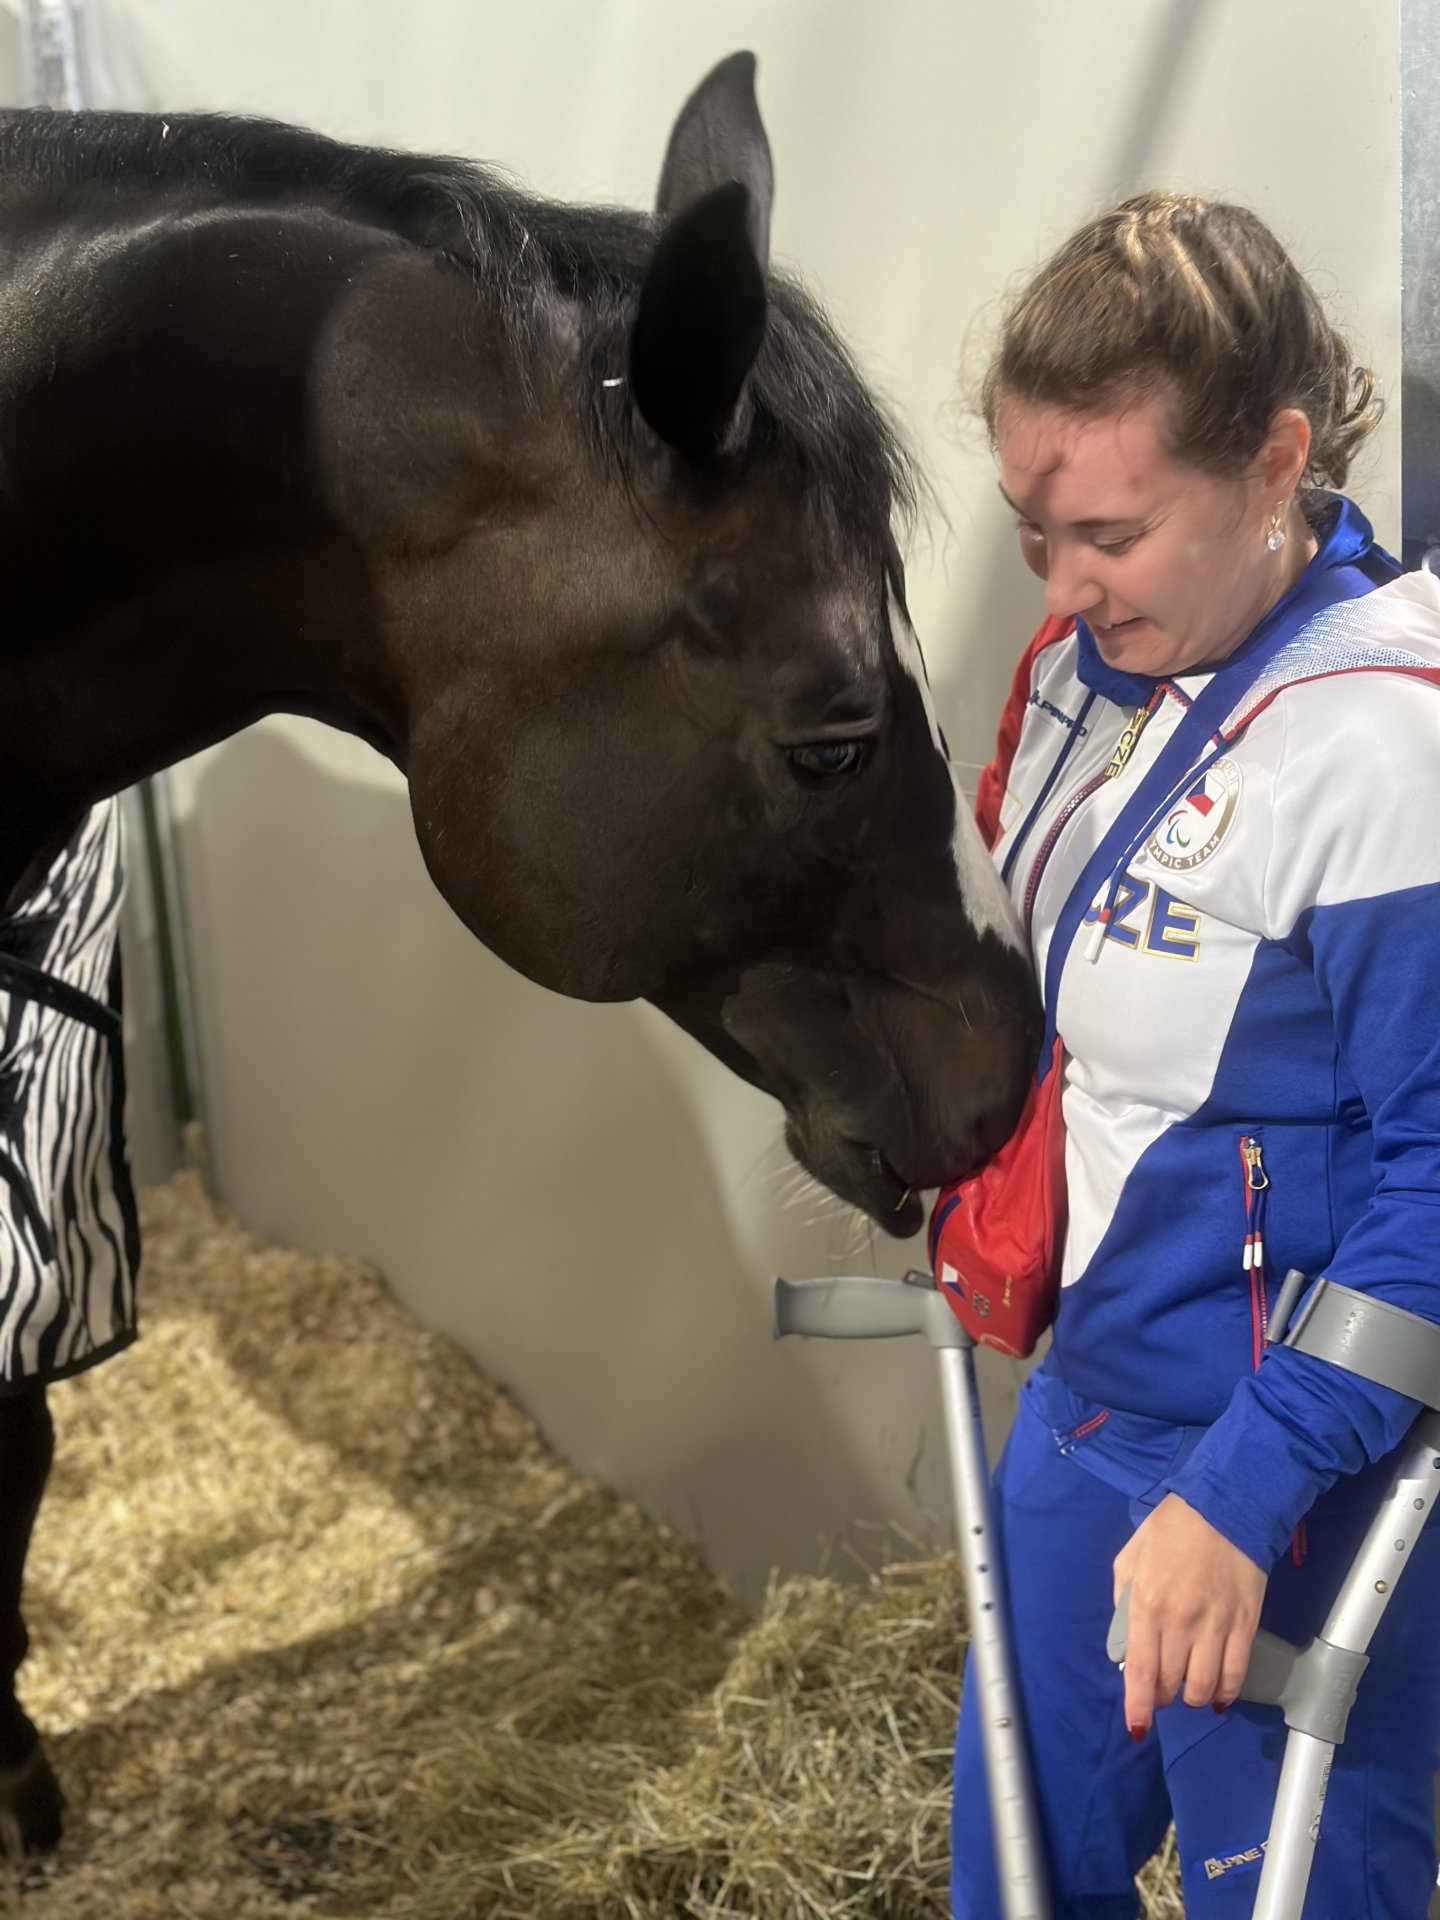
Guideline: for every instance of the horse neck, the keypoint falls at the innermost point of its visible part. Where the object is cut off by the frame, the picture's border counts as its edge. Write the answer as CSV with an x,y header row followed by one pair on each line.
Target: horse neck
x,y
111,671
152,676
190,535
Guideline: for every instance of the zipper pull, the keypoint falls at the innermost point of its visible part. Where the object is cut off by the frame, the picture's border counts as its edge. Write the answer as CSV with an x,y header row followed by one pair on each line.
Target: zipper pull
x,y
1096,938
1256,1178
1252,1260
1104,914
1125,745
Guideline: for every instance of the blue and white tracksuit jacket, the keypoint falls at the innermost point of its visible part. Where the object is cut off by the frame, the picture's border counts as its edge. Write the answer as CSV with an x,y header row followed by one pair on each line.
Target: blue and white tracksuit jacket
x,y
1252,1071
1252,1082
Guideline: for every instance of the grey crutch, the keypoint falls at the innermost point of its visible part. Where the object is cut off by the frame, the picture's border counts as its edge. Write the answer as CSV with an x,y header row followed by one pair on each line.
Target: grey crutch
x,y
859,1307
1315,1685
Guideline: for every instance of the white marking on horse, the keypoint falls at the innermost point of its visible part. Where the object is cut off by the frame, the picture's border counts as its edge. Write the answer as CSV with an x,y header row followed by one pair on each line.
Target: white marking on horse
x,y
987,905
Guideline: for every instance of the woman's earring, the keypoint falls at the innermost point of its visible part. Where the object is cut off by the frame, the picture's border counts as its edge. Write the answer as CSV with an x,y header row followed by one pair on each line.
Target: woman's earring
x,y
1275,539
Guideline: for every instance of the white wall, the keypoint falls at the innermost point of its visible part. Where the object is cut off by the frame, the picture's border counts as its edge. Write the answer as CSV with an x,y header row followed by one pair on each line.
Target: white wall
x,y
578,1194
12,56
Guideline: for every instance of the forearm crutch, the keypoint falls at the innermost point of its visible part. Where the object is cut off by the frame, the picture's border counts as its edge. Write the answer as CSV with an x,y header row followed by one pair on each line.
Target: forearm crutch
x,y
1315,1685
859,1307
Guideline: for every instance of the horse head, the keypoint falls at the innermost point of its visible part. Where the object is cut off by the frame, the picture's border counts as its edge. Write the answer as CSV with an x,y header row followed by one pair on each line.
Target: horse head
x,y
701,765
583,516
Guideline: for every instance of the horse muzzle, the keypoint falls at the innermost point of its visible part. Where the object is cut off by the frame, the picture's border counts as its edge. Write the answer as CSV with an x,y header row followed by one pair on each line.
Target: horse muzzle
x,y
916,1099
860,1175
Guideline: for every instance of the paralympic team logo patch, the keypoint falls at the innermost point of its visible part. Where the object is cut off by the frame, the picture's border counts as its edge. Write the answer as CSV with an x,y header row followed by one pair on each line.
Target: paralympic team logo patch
x,y
1194,827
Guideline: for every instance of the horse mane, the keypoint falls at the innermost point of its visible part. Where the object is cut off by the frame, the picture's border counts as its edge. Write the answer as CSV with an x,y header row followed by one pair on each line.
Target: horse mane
x,y
810,413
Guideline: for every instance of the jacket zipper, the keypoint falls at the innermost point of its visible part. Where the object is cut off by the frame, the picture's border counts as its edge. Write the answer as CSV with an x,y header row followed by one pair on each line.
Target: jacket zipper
x,y
1257,1187
1047,847
1119,760
1067,1442
1022,834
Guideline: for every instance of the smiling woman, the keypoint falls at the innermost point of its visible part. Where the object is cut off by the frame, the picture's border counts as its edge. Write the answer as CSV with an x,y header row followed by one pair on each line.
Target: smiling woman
x,y
1163,574
1186,777
1128,397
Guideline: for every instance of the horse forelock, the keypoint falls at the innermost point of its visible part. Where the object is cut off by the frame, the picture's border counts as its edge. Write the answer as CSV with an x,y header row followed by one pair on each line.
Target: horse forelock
x,y
809,415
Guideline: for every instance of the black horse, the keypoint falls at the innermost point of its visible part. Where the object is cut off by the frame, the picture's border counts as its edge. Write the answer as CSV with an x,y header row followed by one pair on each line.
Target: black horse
x,y
584,519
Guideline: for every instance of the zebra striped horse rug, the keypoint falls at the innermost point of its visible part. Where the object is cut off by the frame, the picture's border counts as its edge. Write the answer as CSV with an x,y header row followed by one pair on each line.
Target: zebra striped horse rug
x,y
69,1239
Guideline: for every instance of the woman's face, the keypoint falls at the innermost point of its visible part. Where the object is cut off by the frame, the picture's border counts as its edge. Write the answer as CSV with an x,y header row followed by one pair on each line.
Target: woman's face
x,y
1168,566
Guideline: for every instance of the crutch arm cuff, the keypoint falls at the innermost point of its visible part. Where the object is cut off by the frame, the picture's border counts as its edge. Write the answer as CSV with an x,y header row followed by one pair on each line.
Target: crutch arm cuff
x,y
1370,1337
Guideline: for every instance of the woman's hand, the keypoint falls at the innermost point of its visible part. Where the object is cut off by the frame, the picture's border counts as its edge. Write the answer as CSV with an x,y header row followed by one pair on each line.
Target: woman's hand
x,y
1194,1606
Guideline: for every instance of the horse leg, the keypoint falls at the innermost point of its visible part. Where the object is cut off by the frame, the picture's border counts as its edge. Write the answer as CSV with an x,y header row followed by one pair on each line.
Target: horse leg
x,y
30,1797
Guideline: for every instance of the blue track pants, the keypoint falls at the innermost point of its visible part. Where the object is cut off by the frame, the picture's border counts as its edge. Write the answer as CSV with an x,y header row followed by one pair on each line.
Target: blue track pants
x,y
1105,1801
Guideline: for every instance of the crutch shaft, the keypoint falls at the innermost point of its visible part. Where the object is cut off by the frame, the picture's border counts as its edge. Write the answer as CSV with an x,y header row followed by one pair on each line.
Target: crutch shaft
x,y
1387,1547
1363,1597
1019,1856
1294,1828
856,1306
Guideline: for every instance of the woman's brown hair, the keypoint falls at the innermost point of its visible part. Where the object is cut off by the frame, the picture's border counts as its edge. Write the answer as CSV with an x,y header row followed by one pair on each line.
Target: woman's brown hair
x,y
1197,297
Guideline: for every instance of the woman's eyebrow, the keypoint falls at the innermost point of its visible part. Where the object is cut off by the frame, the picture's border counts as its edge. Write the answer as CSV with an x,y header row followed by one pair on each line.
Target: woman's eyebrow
x,y
1080,526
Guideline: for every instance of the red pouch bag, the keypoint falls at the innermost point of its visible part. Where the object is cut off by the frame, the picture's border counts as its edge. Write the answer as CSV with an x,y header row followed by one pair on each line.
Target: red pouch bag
x,y
996,1238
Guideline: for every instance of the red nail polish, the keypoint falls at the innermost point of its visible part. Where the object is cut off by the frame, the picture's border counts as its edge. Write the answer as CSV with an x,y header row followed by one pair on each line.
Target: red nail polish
x,y
1137,1733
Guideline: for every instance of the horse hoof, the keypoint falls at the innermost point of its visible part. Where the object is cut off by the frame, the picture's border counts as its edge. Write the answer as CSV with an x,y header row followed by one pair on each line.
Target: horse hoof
x,y
30,1807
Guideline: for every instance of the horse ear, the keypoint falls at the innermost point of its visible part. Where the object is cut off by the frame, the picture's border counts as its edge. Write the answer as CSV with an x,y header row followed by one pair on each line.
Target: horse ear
x,y
719,136
702,304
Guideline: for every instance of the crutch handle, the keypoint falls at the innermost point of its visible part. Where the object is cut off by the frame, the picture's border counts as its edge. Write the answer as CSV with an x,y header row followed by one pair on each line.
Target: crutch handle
x,y
1271,1658
1314,1685
857,1306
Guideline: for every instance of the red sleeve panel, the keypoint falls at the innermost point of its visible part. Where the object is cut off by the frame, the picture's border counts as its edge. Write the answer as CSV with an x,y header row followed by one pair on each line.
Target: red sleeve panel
x,y
991,790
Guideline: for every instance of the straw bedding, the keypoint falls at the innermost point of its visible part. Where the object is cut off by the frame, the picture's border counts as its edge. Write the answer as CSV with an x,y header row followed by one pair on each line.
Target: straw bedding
x,y
321,1626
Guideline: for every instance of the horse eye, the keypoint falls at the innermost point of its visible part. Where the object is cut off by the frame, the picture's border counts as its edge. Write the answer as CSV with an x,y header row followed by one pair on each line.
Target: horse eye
x,y
826,759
